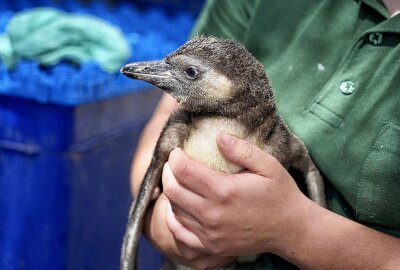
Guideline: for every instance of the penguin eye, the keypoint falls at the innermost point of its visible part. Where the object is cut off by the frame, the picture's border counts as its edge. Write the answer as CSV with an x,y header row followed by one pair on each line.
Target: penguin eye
x,y
192,72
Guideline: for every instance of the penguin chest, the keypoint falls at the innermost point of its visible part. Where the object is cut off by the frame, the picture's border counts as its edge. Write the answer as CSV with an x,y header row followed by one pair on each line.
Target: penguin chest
x,y
201,143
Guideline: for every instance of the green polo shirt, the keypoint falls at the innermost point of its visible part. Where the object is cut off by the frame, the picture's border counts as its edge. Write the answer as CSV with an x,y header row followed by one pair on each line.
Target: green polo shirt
x,y
334,66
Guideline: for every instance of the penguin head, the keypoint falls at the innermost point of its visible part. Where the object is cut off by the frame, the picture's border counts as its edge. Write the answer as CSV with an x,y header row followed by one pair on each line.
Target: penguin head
x,y
207,75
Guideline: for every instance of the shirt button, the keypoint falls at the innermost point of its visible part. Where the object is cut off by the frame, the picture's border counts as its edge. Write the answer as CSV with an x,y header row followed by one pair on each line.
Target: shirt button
x,y
375,38
347,87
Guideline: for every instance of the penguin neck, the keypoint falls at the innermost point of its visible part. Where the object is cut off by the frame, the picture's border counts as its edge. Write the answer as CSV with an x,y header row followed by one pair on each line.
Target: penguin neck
x,y
255,116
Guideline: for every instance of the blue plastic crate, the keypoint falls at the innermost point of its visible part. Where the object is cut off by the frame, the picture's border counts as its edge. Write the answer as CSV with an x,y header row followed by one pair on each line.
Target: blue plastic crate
x,y
67,135
64,174
152,30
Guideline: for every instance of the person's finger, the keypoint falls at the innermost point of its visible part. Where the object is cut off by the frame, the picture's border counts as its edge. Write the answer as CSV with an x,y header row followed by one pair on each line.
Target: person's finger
x,y
190,221
193,175
177,193
156,193
188,253
211,262
245,154
181,233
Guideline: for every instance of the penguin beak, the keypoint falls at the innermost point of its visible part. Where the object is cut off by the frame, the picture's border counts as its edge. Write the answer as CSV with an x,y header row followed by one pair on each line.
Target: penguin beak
x,y
154,72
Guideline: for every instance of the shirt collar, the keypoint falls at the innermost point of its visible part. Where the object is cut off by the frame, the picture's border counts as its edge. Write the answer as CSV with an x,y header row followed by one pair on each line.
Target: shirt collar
x,y
377,5
388,24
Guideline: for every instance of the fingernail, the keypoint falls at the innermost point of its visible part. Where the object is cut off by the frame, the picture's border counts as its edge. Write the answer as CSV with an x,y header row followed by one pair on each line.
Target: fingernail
x,y
168,206
167,168
225,139
176,150
166,174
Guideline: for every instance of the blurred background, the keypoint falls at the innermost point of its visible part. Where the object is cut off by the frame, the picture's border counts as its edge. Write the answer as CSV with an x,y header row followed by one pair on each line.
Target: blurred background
x,y
69,124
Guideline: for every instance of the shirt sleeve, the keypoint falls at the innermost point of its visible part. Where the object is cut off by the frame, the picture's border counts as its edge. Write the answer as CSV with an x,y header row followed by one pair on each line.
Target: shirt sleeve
x,y
225,18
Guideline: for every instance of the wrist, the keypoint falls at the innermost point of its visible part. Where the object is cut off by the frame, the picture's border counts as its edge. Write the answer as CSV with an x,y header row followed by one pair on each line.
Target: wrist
x,y
295,231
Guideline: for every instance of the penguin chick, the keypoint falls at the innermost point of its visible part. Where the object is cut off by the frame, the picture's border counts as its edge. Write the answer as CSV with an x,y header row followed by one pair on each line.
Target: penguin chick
x,y
220,86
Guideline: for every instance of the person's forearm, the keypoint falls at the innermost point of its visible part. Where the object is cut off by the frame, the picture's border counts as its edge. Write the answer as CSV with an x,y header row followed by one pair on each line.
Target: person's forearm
x,y
148,140
326,240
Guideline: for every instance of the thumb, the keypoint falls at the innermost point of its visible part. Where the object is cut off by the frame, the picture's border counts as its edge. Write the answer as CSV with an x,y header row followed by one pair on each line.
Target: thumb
x,y
245,154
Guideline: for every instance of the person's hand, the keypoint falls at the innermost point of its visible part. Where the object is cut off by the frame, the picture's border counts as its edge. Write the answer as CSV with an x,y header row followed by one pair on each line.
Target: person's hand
x,y
160,235
252,212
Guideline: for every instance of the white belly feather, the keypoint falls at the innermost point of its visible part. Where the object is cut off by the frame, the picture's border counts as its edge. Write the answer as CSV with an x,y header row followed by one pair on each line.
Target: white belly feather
x,y
201,144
